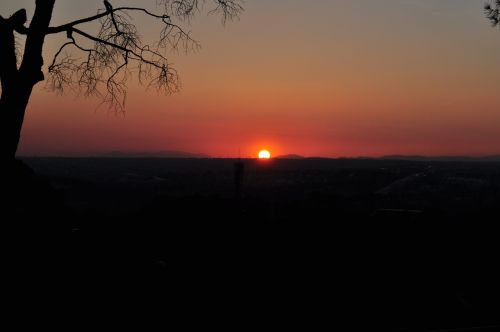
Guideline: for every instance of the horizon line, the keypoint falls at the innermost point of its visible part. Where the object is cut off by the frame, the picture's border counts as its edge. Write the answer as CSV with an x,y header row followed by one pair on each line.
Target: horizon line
x,y
148,155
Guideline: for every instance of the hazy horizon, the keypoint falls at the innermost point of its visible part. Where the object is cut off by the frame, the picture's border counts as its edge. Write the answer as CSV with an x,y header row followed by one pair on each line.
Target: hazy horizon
x,y
196,155
329,78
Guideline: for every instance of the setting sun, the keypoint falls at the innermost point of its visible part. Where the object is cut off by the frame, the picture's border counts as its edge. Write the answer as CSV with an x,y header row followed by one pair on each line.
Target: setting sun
x,y
264,154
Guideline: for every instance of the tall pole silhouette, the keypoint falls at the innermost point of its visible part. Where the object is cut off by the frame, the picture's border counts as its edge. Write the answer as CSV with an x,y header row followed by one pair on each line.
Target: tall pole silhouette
x,y
239,172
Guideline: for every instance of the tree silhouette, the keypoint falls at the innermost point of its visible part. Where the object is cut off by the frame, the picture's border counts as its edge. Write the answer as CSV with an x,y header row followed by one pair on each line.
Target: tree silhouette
x,y
110,56
492,11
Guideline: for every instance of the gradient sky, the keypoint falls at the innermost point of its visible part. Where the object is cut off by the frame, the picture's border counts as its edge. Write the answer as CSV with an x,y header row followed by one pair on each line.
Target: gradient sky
x,y
324,77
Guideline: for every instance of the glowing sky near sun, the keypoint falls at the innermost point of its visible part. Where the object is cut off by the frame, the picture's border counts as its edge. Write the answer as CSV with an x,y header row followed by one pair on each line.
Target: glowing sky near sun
x,y
329,78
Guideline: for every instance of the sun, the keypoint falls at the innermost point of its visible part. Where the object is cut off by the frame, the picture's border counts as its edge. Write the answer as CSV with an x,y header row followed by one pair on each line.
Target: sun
x,y
264,154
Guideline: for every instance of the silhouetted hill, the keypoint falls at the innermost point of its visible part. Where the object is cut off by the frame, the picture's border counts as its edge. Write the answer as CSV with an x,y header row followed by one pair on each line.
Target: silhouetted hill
x,y
159,154
494,158
290,156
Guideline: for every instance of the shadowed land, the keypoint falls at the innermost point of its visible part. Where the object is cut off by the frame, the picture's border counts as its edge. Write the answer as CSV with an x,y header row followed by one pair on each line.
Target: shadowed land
x,y
388,243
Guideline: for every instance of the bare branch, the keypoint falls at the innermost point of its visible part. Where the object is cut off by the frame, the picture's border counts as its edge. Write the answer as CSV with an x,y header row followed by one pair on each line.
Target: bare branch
x,y
229,10
61,70
100,15
186,9
118,51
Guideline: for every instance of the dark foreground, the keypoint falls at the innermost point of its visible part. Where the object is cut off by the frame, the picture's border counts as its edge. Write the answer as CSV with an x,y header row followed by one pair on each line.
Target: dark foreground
x,y
374,244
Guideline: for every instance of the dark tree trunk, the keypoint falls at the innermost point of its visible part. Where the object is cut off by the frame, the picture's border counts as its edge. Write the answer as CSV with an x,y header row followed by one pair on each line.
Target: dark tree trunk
x,y
17,84
8,75
12,108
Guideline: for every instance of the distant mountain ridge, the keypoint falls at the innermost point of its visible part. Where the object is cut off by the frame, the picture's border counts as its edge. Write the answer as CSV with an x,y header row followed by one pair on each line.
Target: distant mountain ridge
x,y
492,158
190,155
290,156
495,158
159,154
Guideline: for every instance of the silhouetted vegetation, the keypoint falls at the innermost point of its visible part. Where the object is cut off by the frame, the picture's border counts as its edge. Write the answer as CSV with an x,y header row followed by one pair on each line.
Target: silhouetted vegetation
x,y
94,64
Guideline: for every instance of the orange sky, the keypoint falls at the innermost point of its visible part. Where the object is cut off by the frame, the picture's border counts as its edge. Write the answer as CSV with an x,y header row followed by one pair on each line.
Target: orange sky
x,y
328,78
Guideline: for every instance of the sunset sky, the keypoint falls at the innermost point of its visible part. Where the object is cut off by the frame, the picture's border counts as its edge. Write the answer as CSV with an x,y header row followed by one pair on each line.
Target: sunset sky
x,y
317,78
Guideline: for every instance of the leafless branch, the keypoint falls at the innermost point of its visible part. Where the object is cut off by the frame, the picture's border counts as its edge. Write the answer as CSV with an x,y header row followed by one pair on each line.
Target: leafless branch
x,y
186,9
229,10
118,51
